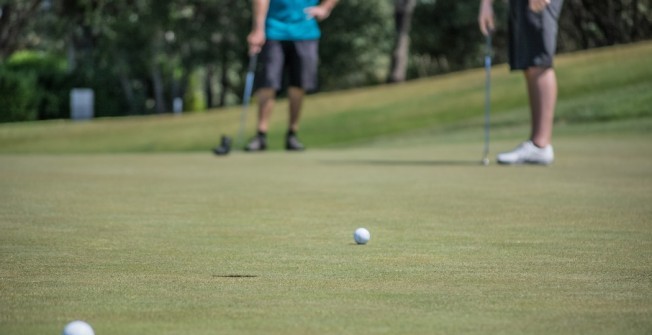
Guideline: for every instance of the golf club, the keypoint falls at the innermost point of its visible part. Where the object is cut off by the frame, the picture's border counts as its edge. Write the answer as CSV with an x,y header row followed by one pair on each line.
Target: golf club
x,y
487,99
226,143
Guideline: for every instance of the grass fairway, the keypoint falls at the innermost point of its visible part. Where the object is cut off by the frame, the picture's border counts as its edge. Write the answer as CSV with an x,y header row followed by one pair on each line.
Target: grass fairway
x,y
132,225
252,244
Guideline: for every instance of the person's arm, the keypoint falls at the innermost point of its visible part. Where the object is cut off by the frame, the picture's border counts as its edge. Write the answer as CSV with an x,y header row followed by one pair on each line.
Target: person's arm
x,y
486,17
257,36
538,5
322,11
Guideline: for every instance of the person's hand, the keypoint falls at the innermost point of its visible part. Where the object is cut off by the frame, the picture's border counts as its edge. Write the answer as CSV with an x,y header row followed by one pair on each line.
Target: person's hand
x,y
538,5
318,12
256,40
486,18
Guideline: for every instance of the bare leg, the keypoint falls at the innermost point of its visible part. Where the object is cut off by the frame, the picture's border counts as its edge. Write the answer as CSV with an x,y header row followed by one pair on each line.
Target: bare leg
x,y
542,90
266,99
296,100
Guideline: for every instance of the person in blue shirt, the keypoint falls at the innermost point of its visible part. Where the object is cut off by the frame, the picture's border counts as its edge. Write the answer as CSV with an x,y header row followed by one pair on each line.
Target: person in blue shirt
x,y
286,34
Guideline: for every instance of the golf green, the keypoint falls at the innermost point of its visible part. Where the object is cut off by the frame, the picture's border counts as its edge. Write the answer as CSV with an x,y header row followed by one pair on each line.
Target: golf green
x,y
189,243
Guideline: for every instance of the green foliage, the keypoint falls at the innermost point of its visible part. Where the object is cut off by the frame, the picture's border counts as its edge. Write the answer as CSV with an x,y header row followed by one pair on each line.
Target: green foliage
x,y
18,97
52,86
355,45
36,61
589,24
48,82
116,47
194,101
109,95
445,37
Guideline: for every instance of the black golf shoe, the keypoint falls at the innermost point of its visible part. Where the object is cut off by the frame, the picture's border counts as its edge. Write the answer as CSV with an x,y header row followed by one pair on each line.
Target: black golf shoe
x,y
224,148
257,143
292,143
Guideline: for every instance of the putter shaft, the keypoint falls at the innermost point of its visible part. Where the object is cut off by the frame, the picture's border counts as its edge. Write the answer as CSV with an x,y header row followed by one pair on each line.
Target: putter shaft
x,y
249,84
487,101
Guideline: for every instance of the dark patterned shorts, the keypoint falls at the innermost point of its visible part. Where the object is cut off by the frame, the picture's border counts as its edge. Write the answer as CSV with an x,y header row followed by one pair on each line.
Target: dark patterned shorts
x,y
288,63
532,36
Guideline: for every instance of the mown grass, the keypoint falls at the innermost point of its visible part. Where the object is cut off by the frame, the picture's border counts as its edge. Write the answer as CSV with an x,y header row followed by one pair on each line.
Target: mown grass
x,y
192,244
598,85
137,234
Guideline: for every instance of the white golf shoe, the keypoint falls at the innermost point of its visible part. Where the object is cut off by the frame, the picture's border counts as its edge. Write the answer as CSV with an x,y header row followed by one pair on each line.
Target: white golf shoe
x,y
527,153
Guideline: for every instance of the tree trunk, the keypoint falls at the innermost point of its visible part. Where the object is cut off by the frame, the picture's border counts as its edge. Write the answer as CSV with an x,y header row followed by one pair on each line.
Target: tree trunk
x,y
128,92
224,79
208,85
403,10
575,24
157,83
635,21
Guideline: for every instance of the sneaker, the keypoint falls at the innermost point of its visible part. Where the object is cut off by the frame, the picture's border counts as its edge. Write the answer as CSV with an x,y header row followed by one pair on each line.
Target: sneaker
x,y
224,148
292,143
257,143
527,153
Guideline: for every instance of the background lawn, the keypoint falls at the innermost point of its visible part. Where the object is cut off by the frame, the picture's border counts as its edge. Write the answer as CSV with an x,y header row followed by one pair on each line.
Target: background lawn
x,y
132,225
600,85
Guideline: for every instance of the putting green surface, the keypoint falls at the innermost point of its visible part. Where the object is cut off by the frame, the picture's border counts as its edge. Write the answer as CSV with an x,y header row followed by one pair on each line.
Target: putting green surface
x,y
262,244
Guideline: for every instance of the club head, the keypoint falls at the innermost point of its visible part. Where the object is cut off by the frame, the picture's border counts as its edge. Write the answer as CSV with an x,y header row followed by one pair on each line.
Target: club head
x,y
485,161
224,148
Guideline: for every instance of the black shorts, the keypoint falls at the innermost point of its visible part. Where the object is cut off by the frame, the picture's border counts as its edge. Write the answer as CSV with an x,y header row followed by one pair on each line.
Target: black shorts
x,y
532,36
291,62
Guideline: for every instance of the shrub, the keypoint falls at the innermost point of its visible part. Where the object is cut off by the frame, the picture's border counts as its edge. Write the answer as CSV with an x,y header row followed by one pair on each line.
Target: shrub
x,y
18,98
50,82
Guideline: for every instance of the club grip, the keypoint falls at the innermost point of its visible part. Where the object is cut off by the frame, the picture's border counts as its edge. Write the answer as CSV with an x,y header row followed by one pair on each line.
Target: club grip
x,y
488,51
253,60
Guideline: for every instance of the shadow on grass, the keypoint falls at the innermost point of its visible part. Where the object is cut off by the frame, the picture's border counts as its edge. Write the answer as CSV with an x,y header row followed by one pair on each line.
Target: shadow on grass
x,y
387,162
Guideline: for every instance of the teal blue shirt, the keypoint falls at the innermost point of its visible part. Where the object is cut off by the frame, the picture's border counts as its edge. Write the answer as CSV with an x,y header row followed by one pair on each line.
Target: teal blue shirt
x,y
287,21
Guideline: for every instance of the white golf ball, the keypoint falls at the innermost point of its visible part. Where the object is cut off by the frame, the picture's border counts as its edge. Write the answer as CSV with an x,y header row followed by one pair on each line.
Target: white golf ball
x,y
361,236
78,328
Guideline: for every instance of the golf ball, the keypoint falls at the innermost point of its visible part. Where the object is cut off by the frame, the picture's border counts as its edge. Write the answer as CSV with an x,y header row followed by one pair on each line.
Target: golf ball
x,y
361,236
78,328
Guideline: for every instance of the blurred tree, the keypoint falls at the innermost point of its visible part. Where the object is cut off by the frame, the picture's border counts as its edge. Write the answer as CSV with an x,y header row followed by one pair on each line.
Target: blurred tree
x,y
139,55
154,46
403,10
355,45
446,37
14,18
589,24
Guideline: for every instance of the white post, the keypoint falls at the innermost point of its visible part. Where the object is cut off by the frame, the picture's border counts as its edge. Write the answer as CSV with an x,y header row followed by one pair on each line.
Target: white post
x,y
177,105
82,102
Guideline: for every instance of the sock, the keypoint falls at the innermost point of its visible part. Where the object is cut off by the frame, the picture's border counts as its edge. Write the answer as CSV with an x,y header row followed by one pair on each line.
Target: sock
x,y
261,134
291,133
